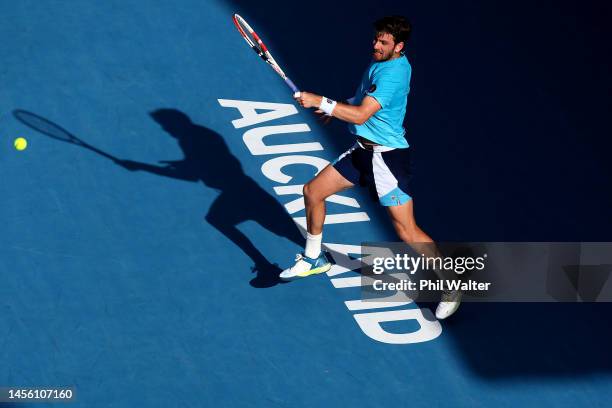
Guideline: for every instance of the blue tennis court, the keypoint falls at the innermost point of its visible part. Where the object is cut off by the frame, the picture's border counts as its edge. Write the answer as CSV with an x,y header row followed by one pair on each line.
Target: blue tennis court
x,y
142,270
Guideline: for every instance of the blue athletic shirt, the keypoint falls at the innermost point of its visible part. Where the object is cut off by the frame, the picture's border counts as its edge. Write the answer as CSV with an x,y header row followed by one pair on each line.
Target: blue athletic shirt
x,y
389,83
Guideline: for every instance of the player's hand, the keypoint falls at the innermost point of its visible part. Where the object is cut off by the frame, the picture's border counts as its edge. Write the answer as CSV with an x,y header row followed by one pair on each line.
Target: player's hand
x,y
128,164
170,164
323,117
307,99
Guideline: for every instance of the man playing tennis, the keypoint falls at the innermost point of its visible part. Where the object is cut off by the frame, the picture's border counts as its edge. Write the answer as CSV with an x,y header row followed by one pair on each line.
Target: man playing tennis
x,y
380,158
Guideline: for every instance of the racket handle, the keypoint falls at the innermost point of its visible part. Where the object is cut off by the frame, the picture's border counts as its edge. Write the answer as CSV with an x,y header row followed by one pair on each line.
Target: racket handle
x,y
291,85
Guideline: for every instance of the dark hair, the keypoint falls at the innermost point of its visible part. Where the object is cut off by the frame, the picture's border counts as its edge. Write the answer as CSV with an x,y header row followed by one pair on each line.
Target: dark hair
x,y
398,26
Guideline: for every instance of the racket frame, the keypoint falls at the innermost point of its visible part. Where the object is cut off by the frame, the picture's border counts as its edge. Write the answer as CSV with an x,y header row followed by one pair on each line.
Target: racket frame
x,y
260,48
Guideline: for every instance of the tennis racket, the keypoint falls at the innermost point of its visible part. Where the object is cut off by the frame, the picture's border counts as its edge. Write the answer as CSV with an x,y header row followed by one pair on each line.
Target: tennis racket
x,y
260,49
54,131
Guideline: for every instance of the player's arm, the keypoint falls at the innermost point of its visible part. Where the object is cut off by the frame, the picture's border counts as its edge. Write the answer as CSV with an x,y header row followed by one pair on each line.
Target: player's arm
x,y
357,114
173,169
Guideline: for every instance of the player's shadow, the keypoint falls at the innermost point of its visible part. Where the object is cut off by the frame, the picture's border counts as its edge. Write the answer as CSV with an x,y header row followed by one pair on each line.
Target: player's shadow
x,y
208,159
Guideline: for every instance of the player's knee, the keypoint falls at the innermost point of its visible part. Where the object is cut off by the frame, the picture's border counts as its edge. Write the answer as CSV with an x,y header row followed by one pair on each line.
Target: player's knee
x,y
310,194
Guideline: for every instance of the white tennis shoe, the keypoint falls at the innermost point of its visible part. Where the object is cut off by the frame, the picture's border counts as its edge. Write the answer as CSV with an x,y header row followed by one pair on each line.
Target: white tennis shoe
x,y
451,299
305,266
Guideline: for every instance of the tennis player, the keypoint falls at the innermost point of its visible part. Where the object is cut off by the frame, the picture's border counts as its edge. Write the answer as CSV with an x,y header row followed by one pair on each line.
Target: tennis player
x,y
380,157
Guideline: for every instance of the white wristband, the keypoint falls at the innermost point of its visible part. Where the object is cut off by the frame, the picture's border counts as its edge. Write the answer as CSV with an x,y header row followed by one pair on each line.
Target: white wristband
x,y
327,105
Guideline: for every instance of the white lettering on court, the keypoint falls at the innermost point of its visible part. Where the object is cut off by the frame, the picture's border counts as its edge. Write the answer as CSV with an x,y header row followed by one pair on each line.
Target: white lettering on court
x,y
273,169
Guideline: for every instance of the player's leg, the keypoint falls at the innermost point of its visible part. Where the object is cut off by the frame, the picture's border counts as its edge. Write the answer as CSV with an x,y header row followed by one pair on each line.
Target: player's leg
x,y
226,222
334,178
402,217
328,182
406,228
391,178
391,174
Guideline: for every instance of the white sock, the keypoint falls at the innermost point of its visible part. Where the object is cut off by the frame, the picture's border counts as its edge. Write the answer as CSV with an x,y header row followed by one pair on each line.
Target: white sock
x,y
313,245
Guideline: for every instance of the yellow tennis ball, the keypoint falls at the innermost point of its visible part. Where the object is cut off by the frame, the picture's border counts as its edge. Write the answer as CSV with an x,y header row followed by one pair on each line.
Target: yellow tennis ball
x,y
21,143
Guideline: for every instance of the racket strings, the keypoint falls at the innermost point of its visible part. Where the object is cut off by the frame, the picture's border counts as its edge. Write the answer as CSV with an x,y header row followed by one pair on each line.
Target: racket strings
x,y
44,126
247,32
256,43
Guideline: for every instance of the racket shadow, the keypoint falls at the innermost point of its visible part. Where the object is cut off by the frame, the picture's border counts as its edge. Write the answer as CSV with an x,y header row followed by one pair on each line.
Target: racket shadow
x,y
207,159
54,131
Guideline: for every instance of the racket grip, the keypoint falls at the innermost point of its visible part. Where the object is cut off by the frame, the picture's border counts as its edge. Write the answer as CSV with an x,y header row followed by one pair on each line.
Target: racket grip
x,y
291,85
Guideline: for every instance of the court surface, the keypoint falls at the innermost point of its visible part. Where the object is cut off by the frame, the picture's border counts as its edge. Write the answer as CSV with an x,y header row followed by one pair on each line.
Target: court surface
x,y
148,280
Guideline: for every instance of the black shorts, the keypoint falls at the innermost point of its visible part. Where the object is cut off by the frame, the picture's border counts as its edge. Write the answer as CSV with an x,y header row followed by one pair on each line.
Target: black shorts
x,y
385,170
